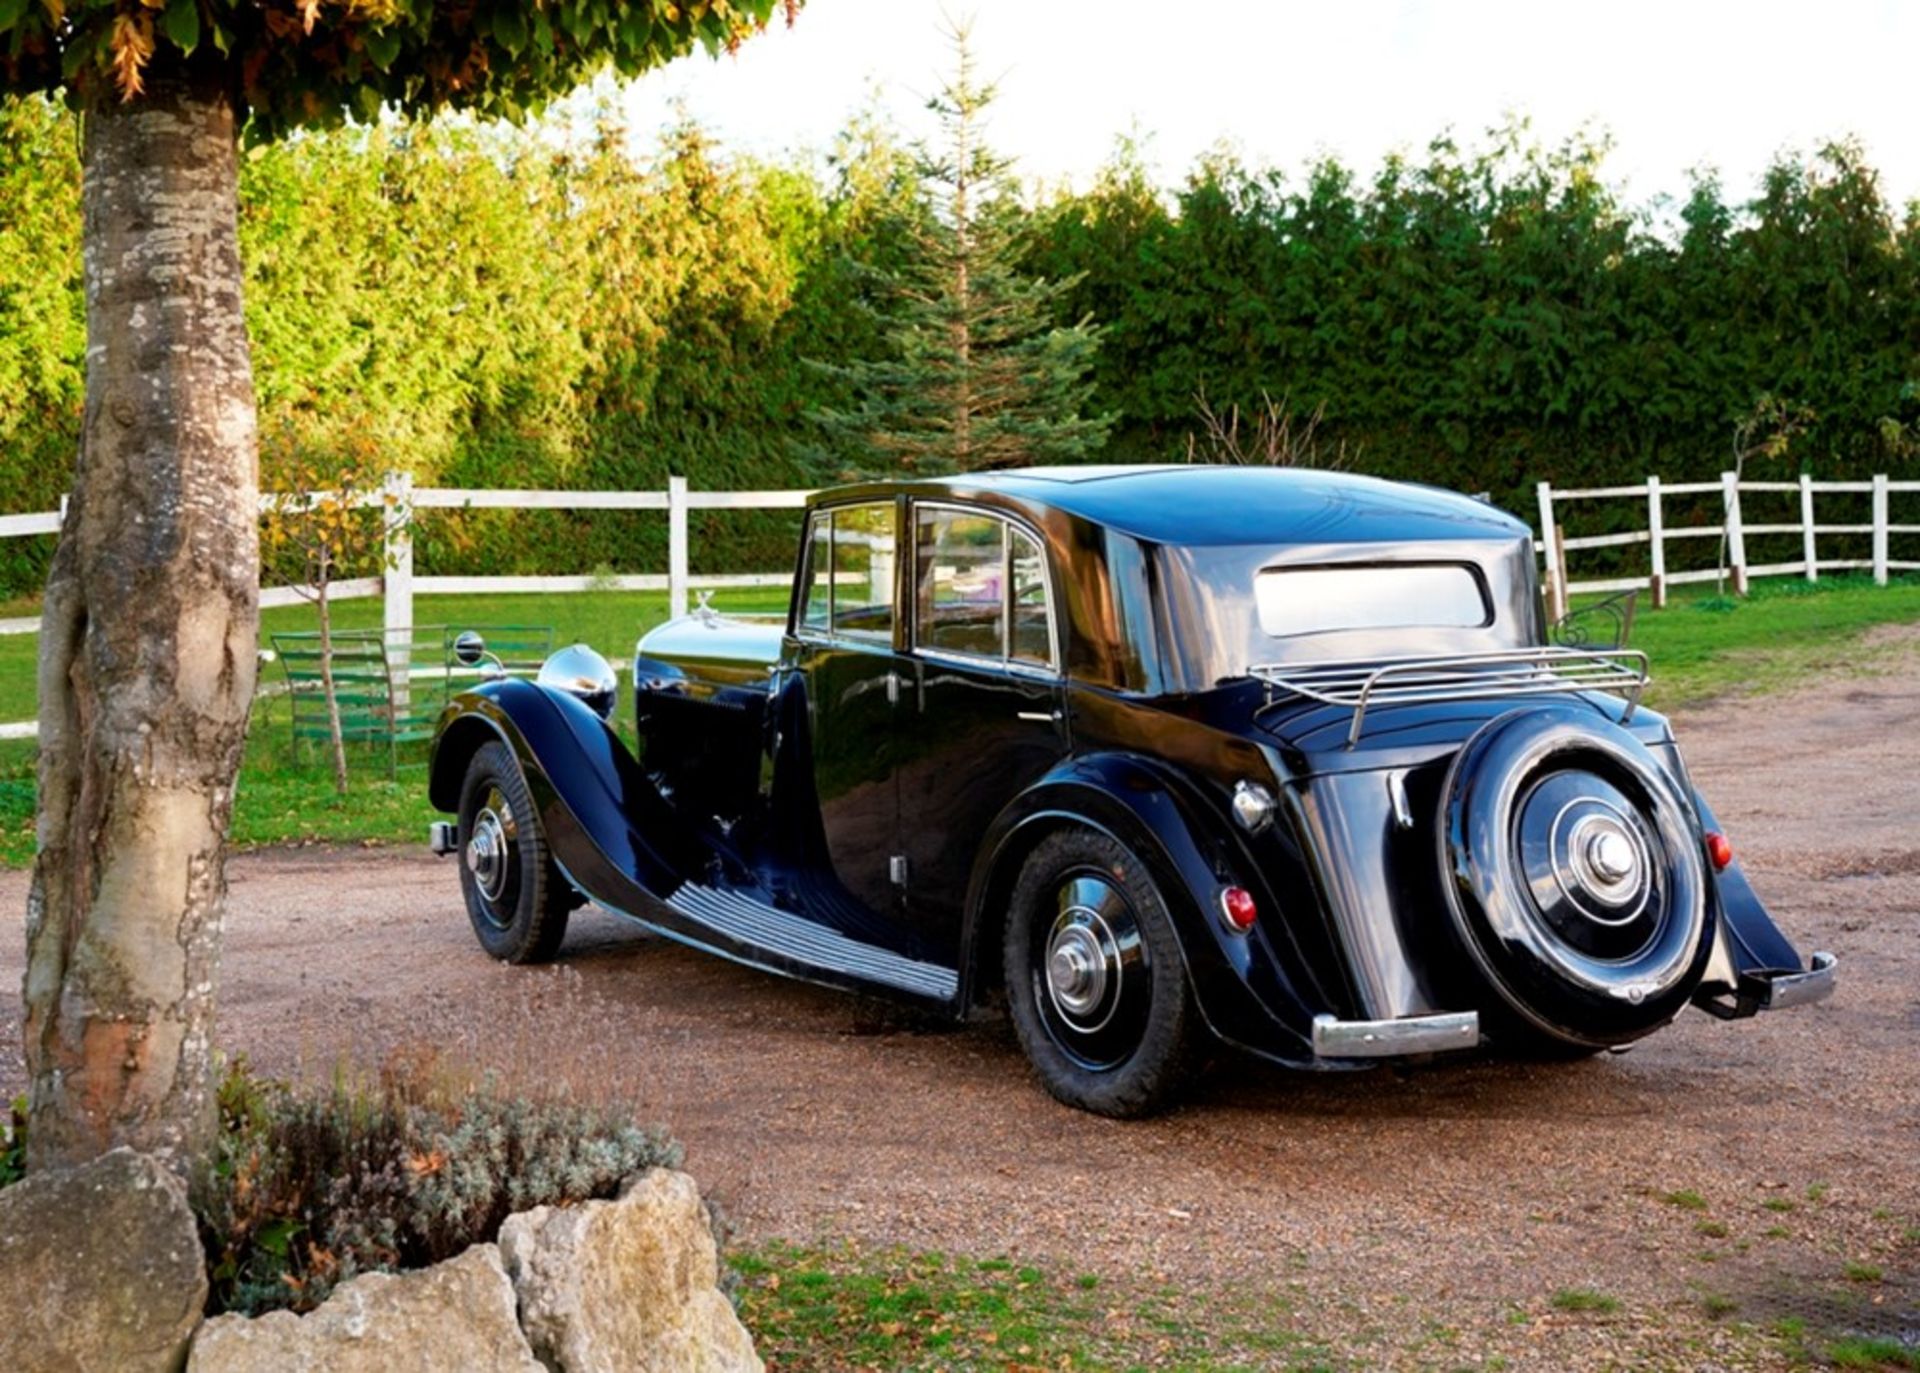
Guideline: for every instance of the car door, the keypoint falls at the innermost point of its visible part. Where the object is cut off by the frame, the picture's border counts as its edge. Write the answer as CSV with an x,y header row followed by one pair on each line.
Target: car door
x,y
845,646
985,716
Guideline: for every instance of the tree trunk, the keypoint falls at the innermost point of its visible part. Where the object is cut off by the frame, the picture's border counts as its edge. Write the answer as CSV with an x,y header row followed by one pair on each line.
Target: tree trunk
x,y
334,734
148,643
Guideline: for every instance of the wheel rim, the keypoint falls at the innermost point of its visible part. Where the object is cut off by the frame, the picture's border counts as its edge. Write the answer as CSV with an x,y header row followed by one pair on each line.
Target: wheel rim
x,y
492,856
1092,976
1592,865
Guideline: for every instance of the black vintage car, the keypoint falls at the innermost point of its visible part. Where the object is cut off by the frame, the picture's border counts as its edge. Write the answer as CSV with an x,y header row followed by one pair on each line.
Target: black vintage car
x,y
1279,758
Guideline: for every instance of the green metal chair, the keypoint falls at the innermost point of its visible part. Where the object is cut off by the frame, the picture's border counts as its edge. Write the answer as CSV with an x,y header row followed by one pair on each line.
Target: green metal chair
x,y
380,707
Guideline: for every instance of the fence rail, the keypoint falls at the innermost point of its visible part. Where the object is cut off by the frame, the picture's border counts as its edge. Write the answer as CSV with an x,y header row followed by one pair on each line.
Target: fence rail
x,y
1732,527
399,585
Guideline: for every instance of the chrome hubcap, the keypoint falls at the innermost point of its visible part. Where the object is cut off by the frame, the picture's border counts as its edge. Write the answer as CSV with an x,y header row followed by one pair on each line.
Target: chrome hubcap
x,y
1076,971
487,853
1610,855
1083,969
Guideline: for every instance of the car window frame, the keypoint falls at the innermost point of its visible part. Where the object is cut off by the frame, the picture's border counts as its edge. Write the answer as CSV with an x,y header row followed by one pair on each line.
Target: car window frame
x,y
1054,669
829,634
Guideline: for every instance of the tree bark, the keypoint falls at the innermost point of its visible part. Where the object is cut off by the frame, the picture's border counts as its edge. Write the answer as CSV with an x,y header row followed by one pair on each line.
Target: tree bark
x,y
148,643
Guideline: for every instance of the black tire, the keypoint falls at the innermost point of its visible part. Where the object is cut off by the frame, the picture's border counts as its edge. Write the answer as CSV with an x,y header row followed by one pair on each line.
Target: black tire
x,y
1580,953
1082,895
516,896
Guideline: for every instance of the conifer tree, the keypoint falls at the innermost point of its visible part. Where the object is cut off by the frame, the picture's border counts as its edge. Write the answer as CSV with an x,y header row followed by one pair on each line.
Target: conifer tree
x,y
977,373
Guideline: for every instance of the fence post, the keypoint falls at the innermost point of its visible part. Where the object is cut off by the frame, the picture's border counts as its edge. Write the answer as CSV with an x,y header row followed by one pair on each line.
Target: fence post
x,y
1880,529
1736,534
1657,538
1808,541
396,581
676,547
1550,554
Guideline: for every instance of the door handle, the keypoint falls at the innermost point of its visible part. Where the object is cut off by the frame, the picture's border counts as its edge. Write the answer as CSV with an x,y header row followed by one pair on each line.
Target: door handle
x,y
1045,717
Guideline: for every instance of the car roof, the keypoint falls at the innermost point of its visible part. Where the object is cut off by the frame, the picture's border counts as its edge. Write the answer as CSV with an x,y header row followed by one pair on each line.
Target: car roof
x,y
1187,504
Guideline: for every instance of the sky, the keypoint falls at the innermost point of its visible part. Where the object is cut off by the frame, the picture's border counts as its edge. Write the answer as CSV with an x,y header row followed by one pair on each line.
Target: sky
x,y
1677,85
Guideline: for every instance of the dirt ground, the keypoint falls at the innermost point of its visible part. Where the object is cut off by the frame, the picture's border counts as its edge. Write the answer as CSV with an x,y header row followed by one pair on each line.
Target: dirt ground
x,y
1715,1181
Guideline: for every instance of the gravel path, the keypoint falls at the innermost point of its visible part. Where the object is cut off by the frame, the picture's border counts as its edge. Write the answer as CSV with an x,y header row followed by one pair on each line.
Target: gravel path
x,y
1415,1218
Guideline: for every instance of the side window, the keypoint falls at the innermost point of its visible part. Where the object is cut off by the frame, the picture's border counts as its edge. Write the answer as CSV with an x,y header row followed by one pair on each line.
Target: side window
x,y
981,588
850,562
1032,627
863,572
819,607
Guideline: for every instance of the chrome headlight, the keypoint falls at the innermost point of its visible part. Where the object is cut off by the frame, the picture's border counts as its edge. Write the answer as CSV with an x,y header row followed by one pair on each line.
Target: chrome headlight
x,y
579,671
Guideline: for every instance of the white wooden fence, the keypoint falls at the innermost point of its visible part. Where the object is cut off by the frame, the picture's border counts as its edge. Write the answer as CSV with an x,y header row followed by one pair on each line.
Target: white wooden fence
x,y
1732,526
399,585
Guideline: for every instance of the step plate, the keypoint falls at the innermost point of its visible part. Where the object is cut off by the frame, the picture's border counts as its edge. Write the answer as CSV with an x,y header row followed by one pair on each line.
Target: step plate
x,y
762,926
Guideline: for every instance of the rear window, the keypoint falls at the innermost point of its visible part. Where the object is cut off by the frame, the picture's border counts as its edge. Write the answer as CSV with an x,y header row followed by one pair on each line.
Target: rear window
x,y
1315,600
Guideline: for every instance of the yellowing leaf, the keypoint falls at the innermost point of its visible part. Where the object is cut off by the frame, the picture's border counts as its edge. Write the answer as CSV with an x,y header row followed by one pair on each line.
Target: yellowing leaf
x,y
132,48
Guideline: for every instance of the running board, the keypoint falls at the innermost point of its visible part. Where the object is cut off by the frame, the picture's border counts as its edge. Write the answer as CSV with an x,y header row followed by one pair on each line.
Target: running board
x,y
758,925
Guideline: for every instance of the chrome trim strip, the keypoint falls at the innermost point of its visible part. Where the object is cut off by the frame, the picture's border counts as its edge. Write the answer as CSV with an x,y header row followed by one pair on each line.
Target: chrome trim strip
x,y
1415,1034
763,926
443,837
1800,989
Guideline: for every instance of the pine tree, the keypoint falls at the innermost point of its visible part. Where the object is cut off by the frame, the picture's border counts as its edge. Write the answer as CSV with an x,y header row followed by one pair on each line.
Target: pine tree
x,y
977,374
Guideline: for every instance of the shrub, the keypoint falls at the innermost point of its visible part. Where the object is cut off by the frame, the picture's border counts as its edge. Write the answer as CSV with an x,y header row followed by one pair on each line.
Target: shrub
x,y
305,1188
13,1141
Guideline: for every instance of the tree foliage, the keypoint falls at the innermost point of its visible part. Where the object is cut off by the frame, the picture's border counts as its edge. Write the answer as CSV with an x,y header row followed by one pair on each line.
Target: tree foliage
x,y
976,370
496,308
301,63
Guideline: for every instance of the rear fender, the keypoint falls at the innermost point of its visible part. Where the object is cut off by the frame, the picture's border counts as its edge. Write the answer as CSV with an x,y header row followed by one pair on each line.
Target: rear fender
x,y
1753,941
605,821
1240,986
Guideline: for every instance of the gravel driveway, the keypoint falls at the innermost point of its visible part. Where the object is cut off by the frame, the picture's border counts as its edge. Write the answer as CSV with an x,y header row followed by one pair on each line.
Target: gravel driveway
x,y
1714,1181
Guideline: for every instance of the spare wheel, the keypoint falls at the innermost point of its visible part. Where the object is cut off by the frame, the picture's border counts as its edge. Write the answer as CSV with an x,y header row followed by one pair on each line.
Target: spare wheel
x,y
1575,878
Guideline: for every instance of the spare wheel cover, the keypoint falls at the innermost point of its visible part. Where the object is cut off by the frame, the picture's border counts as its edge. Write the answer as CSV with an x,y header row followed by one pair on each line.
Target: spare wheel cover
x,y
1574,875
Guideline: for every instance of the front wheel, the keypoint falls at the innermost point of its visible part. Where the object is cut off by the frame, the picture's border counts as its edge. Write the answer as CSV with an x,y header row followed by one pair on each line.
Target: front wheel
x,y
516,896
1095,982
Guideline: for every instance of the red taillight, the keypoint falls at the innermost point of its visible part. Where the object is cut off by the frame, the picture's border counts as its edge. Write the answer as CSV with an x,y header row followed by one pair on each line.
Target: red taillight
x,y
1236,904
1719,850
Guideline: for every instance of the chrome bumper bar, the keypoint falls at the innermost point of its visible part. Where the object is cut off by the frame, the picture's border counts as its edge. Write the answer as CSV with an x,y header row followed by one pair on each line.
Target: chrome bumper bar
x,y
443,837
1780,991
1416,1034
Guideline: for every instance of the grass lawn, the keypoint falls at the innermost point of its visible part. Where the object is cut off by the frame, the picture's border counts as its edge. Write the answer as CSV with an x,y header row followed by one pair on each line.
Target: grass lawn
x,y
1701,646
841,1306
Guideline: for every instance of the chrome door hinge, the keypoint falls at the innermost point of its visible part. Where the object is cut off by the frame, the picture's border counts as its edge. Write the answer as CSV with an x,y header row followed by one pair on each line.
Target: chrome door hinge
x,y
897,869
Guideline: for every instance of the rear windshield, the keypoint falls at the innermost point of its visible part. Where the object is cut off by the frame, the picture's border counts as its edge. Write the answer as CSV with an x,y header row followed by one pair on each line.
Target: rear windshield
x,y
1292,601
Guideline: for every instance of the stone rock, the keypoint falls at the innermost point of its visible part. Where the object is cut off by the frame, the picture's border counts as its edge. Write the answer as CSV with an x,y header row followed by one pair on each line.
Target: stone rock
x,y
455,1316
100,1268
631,1284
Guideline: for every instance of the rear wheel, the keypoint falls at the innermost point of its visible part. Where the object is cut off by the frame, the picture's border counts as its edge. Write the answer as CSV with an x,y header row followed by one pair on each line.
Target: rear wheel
x,y
1095,982
516,896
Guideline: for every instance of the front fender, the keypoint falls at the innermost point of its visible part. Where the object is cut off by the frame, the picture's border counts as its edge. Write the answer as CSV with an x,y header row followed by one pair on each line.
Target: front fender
x,y
604,820
1240,983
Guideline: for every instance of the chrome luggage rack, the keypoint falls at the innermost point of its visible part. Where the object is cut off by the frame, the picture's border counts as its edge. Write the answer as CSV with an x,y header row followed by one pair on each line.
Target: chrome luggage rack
x,y
1362,684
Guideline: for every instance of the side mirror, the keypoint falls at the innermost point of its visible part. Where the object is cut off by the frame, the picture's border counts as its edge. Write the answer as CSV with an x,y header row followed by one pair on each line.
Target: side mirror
x,y
469,648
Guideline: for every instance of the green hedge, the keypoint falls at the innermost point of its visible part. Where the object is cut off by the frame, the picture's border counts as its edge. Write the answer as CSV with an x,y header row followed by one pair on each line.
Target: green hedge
x,y
491,308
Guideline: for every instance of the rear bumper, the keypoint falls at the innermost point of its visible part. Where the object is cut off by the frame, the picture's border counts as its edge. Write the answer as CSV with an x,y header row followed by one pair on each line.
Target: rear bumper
x,y
1779,991
1772,989
1415,1034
